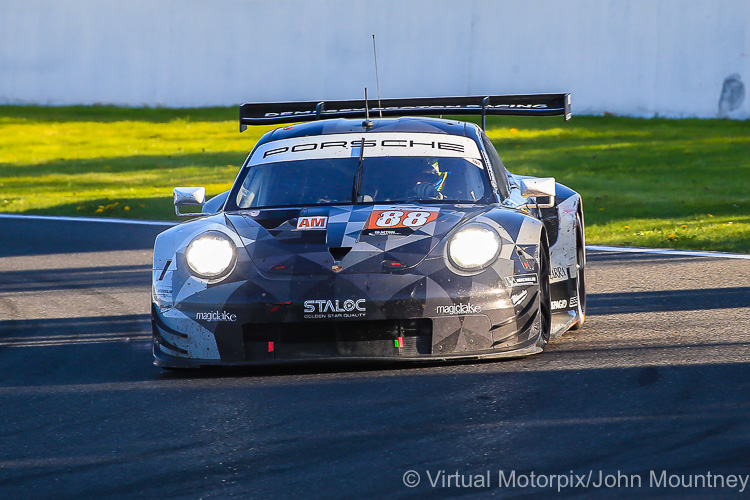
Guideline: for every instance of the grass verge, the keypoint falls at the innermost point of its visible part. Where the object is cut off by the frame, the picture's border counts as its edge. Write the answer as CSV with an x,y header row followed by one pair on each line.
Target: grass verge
x,y
655,183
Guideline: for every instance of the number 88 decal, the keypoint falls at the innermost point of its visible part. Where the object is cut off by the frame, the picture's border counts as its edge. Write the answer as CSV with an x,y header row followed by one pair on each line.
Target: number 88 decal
x,y
389,219
398,218
416,219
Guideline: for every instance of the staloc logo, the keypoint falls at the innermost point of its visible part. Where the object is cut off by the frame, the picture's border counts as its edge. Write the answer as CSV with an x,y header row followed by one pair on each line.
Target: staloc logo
x,y
334,309
333,306
216,316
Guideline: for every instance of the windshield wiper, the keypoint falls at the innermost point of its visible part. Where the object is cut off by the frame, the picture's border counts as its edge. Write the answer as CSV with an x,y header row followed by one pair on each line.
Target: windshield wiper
x,y
357,186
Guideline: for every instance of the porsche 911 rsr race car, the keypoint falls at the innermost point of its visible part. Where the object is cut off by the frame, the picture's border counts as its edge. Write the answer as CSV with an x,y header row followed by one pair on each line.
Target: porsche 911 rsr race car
x,y
396,237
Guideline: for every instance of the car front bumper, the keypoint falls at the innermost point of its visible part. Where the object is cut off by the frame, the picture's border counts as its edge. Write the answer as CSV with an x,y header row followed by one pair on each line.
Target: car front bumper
x,y
354,317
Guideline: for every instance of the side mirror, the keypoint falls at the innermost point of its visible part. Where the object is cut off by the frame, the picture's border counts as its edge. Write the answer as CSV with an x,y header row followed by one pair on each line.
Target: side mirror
x,y
541,187
188,196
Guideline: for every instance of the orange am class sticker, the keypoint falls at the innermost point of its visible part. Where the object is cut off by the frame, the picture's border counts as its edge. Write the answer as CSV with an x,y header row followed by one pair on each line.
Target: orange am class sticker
x,y
312,222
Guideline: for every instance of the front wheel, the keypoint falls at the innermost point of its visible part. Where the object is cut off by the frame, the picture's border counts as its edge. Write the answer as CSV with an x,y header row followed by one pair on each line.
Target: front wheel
x,y
545,301
580,275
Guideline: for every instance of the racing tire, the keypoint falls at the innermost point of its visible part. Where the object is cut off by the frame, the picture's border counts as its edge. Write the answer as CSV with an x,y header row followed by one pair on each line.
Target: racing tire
x,y
545,297
580,275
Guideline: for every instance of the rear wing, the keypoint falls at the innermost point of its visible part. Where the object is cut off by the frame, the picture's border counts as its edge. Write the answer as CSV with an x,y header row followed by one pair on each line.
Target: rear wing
x,y
253,113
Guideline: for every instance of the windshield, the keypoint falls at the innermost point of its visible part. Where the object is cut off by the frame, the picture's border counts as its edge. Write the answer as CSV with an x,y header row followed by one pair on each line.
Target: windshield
x,y
392,179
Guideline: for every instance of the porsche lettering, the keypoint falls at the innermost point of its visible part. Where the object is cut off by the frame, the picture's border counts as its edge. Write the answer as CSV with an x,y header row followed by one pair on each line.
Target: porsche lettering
x,y
356,144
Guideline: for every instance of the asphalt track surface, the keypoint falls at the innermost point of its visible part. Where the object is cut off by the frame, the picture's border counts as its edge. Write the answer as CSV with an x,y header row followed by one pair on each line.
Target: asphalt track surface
x,y
658,380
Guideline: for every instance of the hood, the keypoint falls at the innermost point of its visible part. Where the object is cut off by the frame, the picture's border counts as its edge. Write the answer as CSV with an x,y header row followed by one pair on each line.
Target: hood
x,y
351,239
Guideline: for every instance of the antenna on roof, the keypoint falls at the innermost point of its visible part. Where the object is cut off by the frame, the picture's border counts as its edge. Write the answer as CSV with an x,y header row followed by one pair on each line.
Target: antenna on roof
x,y
367,123
377,79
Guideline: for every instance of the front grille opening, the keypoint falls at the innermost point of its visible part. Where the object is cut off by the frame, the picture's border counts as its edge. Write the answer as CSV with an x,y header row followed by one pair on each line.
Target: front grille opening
x,y
338,253
551,223
331,339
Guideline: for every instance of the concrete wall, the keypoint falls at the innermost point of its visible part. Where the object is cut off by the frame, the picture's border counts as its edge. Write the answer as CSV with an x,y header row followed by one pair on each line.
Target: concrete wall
x,y
672,58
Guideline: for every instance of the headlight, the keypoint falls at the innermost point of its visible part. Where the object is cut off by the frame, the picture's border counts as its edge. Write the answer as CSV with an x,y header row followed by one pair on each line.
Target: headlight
x,y
474,247
210,255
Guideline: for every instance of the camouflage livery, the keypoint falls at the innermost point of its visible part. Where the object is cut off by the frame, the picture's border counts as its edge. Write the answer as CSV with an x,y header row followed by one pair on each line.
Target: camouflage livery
x,y
323,282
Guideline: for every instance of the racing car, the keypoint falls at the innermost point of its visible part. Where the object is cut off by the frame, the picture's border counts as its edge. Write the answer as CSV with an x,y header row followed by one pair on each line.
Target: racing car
x,y
371,232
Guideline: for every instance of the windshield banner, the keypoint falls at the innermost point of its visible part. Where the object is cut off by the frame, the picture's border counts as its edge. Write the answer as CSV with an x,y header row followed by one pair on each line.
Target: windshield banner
x,y
379,144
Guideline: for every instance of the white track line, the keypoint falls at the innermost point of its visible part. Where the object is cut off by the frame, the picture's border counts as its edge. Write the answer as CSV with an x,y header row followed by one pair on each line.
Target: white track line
x,y
89,219
665,251
66,342
597,248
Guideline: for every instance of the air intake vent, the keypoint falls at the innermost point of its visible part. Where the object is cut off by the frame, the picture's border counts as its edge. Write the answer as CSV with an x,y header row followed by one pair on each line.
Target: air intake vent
x,y
330,339
339,253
